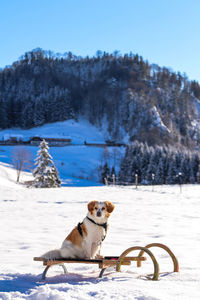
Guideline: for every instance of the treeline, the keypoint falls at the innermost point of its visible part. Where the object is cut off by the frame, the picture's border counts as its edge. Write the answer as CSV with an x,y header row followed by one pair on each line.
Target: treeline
x,y
157,165
125,92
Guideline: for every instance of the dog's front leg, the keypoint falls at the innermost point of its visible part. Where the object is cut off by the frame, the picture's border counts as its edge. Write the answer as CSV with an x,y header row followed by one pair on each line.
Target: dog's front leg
x,y
92,249
96,247
88,250
98,254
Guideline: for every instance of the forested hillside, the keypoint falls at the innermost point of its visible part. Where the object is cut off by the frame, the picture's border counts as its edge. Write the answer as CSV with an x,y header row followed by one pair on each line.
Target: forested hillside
x,y
131,98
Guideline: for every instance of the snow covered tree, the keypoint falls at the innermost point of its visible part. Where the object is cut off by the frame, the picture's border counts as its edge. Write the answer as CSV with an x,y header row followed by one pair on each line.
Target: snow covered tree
x,y
105,172
45,173
56,176
159,174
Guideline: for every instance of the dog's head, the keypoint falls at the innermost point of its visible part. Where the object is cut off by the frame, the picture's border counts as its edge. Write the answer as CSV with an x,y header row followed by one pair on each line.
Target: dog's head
x,y
100,210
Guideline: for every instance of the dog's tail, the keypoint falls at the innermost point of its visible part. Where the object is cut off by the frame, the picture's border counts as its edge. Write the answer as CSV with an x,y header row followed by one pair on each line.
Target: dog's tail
x,y
53,254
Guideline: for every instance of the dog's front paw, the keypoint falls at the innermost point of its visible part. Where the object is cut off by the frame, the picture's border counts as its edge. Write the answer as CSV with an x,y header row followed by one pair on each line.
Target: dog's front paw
x,y
87,257
98,256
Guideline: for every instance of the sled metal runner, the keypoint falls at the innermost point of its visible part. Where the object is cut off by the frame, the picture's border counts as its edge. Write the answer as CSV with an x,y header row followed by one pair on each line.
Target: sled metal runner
x,y
115,261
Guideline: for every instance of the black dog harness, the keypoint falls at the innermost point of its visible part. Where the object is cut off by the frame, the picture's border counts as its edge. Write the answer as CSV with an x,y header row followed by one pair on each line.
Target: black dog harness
x,y
104,225
80,229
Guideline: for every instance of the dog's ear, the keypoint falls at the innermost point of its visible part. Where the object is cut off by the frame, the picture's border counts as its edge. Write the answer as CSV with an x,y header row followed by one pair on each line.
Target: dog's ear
x,y
91,205
109,206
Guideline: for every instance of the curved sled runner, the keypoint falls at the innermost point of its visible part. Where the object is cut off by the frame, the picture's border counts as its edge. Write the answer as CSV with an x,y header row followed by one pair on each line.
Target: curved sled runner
x,y
115,261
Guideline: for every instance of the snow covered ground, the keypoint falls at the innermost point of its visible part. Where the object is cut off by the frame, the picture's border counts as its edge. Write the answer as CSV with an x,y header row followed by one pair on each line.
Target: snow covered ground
x,y
77,164
78,132
33,221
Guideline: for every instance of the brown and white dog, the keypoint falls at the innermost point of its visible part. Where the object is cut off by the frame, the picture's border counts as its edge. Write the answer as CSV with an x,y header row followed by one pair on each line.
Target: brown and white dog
x,y
85,240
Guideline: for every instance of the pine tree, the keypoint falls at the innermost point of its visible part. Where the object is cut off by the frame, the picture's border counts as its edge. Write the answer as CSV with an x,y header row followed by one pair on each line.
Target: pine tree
x,y
159,174
45,173
105,172
172,176
56,176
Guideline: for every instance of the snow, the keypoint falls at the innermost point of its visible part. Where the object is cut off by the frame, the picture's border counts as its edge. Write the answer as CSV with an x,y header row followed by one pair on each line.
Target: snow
x,y
157,121
34,221
77,164
77,131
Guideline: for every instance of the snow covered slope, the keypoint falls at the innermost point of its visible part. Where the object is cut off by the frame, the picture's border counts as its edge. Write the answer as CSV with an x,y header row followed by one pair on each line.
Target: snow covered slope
x,y
36,220
77,164
77,131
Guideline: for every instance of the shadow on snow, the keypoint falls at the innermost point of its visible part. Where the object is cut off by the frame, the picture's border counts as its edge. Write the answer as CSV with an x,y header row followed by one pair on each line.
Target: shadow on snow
x,y
24,283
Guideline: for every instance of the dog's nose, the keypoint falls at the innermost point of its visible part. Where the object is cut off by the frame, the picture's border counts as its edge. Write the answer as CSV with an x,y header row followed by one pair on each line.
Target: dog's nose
x,y
98,213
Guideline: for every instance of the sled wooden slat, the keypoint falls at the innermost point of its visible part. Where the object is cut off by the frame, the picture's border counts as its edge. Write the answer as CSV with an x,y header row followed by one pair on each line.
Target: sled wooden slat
x,y
89,261
112,263
106,261
131,258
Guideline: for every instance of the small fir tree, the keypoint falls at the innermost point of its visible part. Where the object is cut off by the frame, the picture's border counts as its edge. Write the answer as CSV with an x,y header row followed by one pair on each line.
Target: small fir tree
x,y
45,173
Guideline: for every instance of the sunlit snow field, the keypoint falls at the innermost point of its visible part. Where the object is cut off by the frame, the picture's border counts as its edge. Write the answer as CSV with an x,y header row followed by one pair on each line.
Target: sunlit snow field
x,y
33,221
77,164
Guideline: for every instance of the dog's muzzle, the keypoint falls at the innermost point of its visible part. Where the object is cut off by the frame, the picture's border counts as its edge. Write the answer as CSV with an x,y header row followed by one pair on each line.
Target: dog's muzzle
x,y
98,213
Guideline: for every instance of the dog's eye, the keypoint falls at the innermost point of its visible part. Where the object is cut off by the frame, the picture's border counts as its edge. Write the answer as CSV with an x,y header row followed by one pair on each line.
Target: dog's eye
x,y
103,208
95,208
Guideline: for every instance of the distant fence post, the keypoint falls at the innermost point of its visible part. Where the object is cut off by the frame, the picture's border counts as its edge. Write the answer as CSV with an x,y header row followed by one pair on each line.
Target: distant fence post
x,y
113,176
106,181
136,181
180,181
153,181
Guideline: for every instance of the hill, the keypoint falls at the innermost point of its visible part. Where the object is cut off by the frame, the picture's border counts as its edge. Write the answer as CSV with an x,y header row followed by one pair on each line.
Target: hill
x,y
127,96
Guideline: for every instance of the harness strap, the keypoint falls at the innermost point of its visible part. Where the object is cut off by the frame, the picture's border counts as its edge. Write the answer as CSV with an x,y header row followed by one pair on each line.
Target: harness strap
x,y
104,225
80,229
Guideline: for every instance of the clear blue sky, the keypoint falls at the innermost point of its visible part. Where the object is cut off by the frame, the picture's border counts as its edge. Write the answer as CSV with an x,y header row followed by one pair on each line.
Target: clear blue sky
x,y
166,32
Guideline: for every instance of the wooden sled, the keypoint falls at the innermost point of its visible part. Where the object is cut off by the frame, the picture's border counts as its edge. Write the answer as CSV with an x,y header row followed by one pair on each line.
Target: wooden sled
x,y
115,261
